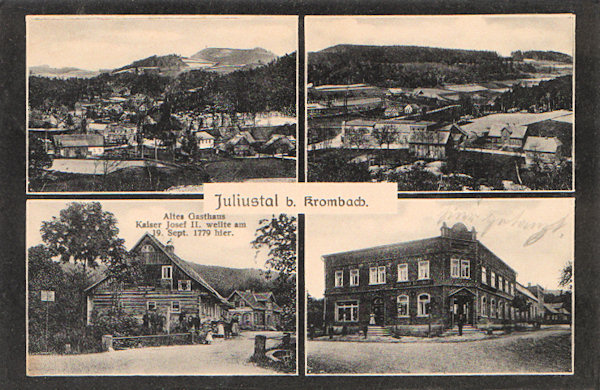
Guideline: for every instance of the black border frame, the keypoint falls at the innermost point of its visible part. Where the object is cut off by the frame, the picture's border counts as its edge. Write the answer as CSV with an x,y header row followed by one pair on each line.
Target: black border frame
x,y
13,199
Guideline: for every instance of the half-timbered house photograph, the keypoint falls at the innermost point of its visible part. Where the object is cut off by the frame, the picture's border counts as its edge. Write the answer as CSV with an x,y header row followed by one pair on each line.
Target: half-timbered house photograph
x,y
443,286
155,287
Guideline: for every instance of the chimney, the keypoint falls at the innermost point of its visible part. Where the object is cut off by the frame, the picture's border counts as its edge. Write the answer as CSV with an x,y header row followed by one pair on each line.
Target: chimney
x,y
444,229
473,233
169,247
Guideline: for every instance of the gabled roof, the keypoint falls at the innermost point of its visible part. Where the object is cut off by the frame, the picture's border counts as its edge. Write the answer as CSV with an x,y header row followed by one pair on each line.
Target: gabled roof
x,y
182,265
515,131
79,140
361,122
542,144
256,300
525,292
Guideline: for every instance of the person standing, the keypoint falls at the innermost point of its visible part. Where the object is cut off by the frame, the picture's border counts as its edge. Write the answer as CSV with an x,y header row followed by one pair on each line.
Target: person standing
x,y
461,322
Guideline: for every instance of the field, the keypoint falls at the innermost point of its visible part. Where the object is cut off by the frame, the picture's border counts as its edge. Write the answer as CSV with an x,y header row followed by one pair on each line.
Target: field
x,y
161,178
237,170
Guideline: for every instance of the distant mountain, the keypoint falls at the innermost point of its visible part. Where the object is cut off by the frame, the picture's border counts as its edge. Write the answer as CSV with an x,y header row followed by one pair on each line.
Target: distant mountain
x,y
544,56
225,280
396,54
241,57
168,63
66,72
408,66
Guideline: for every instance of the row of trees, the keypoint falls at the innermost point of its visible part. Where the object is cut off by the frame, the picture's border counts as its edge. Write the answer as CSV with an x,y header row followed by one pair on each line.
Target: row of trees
x,y
555,94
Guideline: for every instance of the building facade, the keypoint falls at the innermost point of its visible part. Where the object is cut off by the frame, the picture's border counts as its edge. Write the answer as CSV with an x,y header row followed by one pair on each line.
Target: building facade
x,y
169,286
255,311
432,280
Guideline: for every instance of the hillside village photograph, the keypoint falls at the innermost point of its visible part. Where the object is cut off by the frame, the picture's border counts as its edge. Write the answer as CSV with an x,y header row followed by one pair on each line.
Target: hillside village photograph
x,y
158,287
160,103
447,287
441,103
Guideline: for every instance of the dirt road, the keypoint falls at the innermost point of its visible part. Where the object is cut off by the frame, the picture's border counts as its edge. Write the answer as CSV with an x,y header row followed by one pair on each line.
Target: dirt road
x,y
547,350
226,357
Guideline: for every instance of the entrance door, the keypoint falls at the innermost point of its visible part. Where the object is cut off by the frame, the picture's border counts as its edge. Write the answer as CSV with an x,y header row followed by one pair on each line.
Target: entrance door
x,y
463,305
378,311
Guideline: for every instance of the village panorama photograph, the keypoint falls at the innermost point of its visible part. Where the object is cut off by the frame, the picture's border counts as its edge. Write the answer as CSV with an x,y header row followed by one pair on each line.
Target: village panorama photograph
x,y
150,287
442,103
160,103
459,287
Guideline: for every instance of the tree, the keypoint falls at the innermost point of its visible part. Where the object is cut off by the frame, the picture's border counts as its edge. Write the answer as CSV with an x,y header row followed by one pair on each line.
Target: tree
x,y
384,136
566,276
278,234
39,159
84,233
333,166
356,137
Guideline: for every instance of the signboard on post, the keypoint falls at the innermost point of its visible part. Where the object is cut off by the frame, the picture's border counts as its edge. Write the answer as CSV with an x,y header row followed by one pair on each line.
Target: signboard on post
x,y
47,296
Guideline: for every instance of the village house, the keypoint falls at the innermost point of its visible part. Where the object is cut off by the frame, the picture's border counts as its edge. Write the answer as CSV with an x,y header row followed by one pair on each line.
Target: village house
x,y
170,286
546,150
255,311
533,308
507,136
205,140
411,284
429,142
79,145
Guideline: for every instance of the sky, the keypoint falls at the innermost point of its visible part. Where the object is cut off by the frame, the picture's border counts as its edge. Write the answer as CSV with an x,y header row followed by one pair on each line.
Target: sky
x,y
508,227
500,33
234,252
106,42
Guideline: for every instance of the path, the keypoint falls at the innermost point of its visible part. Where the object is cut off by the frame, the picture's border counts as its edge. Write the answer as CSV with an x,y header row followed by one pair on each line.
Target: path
x,y
222,357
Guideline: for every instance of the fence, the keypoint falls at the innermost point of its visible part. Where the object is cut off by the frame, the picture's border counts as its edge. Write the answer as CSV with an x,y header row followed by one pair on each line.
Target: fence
x,y
109,342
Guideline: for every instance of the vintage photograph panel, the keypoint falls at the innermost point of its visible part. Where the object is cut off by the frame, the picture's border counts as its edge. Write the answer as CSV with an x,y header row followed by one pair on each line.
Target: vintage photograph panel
x,y
158,287
442,103
160,103
456,287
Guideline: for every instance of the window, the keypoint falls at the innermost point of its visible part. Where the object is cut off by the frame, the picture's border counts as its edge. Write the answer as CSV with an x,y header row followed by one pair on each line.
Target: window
x,y
493,308
403,306
403,272
423,269
493,279
147,249
483,307
483,275
167,272
354,277
346,311
500,283
377,275
512,289
501,309
151,305
339,278
506,286
184,285
241,303
465,269
454,268
423,305
175,306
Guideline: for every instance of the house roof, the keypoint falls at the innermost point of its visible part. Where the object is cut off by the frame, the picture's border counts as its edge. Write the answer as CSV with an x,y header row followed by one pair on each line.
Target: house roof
x,y
79,140
204,135
542,144
256,300
485,123
525,292
429,137
514,130
551,309
361,122
183,265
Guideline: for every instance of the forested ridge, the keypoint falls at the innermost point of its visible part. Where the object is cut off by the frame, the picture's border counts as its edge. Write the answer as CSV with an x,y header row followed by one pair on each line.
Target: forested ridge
x,y
409,66
269,87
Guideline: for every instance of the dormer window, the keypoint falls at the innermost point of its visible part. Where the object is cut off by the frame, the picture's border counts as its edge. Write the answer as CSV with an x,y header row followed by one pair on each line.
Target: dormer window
x,y
147,249
167,272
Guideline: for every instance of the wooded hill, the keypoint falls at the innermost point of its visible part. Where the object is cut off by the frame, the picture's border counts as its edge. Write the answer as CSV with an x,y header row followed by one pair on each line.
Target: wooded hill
x,y
542,56
268,87
408,66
